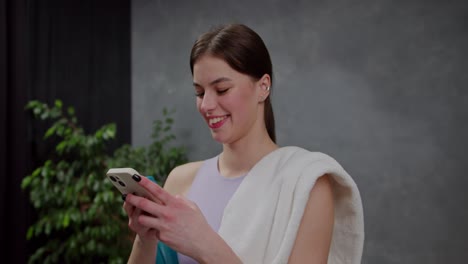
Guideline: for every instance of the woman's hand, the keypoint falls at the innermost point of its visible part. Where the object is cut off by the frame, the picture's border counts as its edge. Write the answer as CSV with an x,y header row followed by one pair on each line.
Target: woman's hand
x,y
175,221
145,234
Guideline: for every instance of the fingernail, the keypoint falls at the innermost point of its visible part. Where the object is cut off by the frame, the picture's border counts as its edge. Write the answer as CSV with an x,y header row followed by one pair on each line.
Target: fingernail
x,y
124,196
136,177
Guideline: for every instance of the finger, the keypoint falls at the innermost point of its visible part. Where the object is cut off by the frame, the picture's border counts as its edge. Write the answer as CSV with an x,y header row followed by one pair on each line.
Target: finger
x,y
148,195
135,224
157,191
152,232
145,205
150,222
133,219
137,212
129,209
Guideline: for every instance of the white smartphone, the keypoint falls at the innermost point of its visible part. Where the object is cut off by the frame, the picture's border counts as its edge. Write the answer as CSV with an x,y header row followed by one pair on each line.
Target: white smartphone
x,y
121,178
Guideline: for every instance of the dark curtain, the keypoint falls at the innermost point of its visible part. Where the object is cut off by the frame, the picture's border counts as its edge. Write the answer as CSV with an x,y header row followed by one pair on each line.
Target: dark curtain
x,y
14,152
76,51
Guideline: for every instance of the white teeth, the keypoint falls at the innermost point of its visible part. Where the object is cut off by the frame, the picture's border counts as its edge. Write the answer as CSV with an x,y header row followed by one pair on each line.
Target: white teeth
x,y
216,120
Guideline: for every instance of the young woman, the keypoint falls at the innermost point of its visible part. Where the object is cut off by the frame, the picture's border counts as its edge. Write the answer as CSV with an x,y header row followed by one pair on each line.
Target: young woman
x,y
255,202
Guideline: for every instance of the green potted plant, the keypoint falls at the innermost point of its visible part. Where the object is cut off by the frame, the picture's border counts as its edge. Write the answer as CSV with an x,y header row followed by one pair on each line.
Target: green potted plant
x,y
80,216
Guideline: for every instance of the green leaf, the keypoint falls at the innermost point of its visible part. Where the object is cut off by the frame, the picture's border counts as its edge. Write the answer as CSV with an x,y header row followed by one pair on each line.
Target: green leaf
x,y
31,104
37,111
48,228
66,220
60,130
30,233
58,103
44,115
60,148
26,182
50,132
99,133
71,111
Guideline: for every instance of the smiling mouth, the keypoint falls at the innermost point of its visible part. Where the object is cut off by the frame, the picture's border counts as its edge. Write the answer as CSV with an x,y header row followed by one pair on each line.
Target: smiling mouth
x,y
217,121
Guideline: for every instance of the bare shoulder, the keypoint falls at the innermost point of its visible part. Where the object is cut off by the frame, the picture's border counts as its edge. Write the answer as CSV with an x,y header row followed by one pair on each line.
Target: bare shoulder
x,y
181,177
314,235
323,185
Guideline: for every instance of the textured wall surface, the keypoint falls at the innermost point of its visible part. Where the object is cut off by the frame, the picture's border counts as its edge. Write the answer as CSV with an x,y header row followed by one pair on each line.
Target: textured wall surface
x,y
379,85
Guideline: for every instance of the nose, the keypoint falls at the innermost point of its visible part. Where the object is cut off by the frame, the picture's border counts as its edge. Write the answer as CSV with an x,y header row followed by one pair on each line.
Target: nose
x,y
209,102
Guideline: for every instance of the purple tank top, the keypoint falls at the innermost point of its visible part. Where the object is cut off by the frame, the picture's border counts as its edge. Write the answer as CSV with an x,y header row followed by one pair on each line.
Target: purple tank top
x,y
211,192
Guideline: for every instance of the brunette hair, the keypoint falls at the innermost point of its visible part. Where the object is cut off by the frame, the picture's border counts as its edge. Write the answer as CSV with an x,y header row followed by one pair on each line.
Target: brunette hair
x,y
244,51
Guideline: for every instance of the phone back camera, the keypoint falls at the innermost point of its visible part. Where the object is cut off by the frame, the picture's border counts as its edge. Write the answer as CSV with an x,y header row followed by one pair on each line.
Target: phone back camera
x,y
112,178
122,183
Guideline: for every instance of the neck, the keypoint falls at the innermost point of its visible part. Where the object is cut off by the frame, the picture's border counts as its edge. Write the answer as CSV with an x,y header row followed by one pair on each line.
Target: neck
x,y
239,157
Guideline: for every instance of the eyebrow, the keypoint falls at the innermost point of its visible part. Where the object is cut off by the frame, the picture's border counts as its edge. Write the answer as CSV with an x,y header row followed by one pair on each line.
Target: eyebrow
x,y
222,79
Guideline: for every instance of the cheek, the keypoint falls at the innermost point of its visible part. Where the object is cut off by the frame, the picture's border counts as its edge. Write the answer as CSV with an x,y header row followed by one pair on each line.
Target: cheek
x,y
245,105
198,102
248,100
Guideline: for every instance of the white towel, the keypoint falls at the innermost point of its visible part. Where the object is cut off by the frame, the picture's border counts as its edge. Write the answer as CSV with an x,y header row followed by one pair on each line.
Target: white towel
x,y
261,220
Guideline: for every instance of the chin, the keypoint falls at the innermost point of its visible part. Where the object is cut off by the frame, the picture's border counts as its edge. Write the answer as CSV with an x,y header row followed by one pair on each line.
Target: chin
x,y
218,137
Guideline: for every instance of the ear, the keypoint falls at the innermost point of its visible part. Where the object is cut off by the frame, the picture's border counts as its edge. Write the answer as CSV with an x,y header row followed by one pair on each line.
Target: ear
x,y
264,85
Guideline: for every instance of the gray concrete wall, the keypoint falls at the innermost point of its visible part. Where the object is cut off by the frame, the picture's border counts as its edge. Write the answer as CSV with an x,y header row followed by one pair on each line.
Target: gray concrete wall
x,y
379,85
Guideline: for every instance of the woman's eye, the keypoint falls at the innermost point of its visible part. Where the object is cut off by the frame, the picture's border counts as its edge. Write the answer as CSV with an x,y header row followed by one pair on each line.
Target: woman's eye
x,y
222,91
218,91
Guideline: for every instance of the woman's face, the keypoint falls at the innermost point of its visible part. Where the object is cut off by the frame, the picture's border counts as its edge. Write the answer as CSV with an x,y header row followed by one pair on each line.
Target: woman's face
x,y
229,101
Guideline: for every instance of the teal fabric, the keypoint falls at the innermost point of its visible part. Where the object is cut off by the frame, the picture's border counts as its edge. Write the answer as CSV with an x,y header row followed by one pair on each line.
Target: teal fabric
x,y
165,255
151,178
